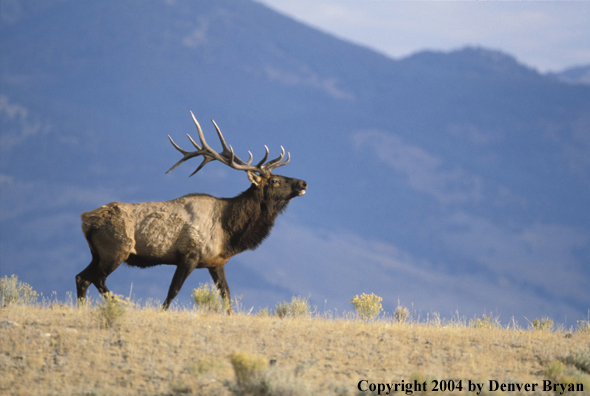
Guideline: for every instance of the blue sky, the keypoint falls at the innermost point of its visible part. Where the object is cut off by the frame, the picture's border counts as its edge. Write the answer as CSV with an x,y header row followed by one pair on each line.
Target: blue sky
x,y
549,36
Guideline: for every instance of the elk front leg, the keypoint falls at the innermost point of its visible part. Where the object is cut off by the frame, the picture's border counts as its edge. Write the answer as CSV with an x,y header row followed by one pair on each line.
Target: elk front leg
x,y
182,272
218,275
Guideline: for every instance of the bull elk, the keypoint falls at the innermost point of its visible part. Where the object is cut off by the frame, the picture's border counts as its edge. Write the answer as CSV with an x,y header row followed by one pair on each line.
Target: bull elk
x,y
193,231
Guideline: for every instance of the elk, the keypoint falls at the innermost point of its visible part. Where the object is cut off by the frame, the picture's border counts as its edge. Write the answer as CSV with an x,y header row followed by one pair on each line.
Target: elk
x,y
193,231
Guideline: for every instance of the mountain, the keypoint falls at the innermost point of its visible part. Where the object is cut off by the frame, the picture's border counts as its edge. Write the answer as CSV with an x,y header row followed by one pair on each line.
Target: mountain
x,y
448,181
574,75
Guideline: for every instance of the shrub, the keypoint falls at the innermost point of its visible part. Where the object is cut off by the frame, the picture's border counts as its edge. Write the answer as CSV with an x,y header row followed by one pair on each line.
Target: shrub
x,y
486,322
367,306
264,313
554,371
298,307
558,372
584,326
247,367
253,378
12,291
401,314
580,360
282,309
110,310
545,324
208,299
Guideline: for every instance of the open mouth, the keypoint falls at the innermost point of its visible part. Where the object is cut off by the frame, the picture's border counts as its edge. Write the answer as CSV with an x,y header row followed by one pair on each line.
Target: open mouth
x,y
302,191
301,186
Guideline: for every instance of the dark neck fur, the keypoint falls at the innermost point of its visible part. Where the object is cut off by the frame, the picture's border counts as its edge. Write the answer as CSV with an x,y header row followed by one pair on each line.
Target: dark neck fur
x,y
247,220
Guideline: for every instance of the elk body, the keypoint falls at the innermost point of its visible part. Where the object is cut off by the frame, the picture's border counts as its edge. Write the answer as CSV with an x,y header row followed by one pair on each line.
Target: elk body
x,y
193,231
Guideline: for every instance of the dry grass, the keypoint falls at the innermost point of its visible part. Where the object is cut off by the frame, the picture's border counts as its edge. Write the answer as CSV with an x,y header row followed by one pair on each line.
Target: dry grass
x,y
63,350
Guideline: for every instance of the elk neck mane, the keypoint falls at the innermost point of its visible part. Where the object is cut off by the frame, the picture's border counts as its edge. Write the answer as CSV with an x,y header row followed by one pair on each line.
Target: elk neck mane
x,y
248,219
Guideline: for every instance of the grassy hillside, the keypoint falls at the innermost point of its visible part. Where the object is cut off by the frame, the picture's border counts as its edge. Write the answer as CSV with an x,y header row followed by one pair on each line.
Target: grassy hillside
x,y
58,349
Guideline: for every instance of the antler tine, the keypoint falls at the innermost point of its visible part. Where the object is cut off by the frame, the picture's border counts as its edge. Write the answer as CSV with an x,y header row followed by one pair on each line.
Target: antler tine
x,y
186,154
205,161
177,146
227,149
193,142
277,161
279,158
272,163
201,135
265,157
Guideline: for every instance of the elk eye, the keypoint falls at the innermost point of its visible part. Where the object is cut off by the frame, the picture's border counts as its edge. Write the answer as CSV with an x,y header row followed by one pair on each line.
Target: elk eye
x,y
275,181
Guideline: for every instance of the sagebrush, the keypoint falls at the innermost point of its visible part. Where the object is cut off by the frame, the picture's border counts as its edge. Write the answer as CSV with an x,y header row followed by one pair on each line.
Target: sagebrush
x,y
485,322
254,377
208,299
367,306
110,310
297,308
13,291
401,314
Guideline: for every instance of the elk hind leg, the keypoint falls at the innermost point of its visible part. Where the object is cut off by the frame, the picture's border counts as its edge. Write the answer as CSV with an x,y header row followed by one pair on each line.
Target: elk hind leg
x,y
218,276
86,277
108,250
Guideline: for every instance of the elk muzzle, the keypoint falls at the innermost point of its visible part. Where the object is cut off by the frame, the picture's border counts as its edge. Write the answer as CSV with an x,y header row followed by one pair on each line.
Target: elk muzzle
x,y
300,187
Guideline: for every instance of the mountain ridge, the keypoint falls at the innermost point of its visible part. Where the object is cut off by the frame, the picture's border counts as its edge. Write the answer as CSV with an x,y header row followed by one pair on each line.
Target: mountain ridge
x,y
574,75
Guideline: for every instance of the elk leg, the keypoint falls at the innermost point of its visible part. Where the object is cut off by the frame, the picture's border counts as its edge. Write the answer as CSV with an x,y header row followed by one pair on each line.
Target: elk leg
x,y
96,275
84,278
218,275
101,285
182,272
113,253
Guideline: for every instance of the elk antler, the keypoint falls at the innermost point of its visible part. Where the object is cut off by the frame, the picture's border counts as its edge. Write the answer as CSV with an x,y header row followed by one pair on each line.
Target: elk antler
x,y
227,155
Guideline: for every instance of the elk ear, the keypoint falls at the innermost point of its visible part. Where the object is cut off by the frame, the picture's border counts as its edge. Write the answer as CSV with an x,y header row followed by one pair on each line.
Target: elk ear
x,y
254,178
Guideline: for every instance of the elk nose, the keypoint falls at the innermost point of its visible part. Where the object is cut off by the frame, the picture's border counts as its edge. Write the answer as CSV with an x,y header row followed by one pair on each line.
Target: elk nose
x,y
301,186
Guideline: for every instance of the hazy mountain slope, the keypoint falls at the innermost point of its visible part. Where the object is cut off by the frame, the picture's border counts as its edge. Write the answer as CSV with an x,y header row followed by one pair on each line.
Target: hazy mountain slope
x,y
574,75
449,180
